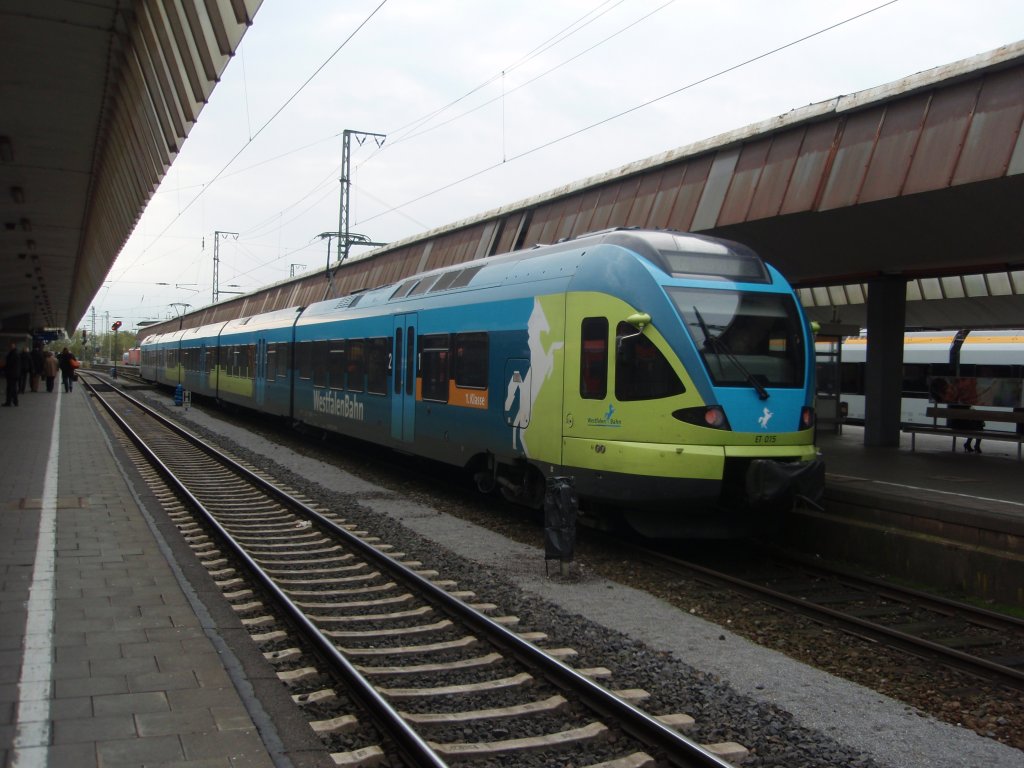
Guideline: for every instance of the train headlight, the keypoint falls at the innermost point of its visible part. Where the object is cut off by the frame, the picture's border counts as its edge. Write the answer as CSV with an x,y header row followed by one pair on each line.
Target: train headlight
x,y
806,417
703,416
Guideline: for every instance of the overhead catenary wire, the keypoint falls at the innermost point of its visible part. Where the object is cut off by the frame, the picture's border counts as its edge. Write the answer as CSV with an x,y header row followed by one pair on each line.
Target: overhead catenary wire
x,y
634,108
276,218
270,120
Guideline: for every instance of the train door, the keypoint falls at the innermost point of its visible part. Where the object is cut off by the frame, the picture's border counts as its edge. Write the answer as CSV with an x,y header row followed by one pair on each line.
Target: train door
x,y
260,387
403,375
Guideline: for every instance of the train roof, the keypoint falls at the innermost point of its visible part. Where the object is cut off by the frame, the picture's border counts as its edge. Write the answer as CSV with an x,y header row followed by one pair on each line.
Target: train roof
x,y
266,319
677,254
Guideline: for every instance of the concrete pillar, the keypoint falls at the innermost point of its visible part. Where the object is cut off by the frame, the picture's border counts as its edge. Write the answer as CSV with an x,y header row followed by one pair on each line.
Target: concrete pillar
x,y
883,383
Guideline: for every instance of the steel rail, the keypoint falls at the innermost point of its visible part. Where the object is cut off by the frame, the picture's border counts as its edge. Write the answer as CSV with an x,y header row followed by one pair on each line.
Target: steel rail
x,y
675,747
809,607
975,614
412,747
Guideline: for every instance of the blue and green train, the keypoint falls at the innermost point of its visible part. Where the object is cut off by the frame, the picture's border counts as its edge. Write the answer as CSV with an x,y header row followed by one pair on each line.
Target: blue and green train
x,y
670,376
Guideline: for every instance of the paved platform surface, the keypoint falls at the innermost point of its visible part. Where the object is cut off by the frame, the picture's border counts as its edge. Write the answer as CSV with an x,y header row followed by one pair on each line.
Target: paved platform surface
x,y
987,485
105,659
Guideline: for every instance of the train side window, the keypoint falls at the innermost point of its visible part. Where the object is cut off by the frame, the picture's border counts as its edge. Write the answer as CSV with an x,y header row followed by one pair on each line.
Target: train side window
x,y
271,372
250,362
377,366
434,353
356,363
283,360
471,360
320,352
641,370
465,276
304,359
336,365
424,285
594,358
404,288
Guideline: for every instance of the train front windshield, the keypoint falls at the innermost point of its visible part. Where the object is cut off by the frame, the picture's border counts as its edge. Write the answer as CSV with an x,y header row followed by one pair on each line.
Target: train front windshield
x,y
745,339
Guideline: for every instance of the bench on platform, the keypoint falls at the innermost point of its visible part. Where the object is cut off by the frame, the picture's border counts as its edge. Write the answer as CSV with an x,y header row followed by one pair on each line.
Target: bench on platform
x,y
979,415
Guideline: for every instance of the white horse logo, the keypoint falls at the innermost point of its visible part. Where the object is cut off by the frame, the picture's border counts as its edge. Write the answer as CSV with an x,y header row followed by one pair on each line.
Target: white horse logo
x,y
764,418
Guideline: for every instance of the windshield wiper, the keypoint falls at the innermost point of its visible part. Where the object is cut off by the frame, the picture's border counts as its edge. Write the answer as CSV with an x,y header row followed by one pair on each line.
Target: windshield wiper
x,y
716,343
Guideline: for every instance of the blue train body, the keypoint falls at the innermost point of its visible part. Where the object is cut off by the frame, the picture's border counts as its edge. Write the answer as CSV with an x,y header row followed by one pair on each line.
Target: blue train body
x,y
669,375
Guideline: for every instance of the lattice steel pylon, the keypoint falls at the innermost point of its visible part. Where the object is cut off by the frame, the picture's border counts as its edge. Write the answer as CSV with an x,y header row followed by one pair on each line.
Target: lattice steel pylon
x,y
346,238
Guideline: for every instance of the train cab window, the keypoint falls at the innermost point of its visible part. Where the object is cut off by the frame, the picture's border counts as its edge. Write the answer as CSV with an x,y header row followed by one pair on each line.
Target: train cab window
x,y
471,360
594,358
434,352
745,337
641,370
377,366
304,359
356,365
336,365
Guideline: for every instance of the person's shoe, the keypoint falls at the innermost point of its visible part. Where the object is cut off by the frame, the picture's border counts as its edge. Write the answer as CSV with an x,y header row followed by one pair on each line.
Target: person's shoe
x,y
967,446
977,449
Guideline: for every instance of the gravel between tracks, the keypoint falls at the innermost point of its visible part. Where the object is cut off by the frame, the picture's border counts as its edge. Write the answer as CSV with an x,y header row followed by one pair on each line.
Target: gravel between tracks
x,y
788,713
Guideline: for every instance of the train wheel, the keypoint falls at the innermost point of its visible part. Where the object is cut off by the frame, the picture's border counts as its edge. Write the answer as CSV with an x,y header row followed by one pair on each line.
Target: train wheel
x,y
485,482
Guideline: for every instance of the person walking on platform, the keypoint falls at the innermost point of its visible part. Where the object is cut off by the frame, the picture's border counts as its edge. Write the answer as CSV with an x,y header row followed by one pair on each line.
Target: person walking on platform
x,y
50,369
25,368
67,368
37,366
12,372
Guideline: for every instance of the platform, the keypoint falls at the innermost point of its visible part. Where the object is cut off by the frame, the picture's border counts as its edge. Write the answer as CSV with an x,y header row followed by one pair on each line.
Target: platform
x,y
107,655
934,516
934,468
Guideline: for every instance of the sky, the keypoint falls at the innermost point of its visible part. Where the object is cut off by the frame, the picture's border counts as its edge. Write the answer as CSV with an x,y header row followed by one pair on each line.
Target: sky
x,y
484,103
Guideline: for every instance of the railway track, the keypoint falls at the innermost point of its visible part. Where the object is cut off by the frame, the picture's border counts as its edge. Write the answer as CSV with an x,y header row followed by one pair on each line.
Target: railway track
x,y
984,643
391,662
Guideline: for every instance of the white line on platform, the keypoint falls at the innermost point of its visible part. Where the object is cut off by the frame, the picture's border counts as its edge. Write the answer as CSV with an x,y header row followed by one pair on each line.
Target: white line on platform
x,y
32,734
929,490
